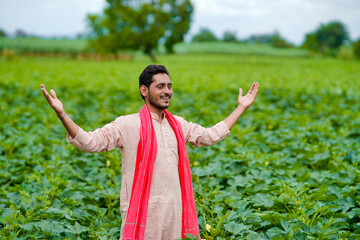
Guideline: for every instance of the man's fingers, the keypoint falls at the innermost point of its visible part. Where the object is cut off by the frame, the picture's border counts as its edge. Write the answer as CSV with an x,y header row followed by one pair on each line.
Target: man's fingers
x,y
253,86
46,94
43,88
256,88
240,92
53,93
251,89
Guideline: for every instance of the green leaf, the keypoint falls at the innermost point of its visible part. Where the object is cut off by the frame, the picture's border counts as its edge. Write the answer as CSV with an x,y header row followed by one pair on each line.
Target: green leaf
x,y
76,229
236,228
344,204
49,226
275,231
263,200
355,212
28,226
285,226
272,217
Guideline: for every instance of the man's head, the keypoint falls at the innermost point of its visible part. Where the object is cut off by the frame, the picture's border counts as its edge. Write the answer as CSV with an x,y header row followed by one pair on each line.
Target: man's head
x,y
155,86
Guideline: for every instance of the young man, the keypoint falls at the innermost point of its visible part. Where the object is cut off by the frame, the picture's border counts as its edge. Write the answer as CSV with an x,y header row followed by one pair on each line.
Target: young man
x,y
156,199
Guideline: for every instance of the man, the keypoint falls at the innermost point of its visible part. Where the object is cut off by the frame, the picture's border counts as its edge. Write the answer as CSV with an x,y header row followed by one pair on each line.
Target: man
x,y
156,199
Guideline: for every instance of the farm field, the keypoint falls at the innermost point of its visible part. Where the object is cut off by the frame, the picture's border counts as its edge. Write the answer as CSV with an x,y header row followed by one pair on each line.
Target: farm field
x,y
289,170
79,46
44,46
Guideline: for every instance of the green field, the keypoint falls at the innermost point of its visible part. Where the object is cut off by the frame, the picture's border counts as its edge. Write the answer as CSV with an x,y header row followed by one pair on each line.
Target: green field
x,y
78,46
43,46
289,170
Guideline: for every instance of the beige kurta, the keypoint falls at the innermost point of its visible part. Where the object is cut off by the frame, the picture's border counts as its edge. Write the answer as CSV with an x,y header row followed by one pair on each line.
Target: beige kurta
x,y
164,218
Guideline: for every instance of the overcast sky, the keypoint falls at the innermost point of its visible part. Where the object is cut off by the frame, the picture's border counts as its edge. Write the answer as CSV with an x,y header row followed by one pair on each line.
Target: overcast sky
x,y
291,18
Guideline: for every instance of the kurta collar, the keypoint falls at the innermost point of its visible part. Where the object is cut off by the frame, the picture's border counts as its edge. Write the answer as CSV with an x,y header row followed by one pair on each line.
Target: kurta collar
x,y
154,116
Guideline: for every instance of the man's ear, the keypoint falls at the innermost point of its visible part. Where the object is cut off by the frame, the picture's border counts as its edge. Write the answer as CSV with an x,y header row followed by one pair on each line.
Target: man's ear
x,y
144,90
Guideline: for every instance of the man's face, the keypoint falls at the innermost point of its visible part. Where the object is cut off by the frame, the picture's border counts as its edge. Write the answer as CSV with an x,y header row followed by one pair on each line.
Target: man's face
x,y
160,91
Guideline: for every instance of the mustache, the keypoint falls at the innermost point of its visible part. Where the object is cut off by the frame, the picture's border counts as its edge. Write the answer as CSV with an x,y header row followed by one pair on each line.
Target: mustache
x,y
165,95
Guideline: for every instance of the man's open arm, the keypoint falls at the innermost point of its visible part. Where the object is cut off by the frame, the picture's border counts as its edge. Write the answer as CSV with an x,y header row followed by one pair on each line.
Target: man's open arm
x,y
244,102
102,139
200,136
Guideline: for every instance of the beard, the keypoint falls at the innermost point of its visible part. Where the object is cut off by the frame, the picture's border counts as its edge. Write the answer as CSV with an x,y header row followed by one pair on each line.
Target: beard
x,y
153,102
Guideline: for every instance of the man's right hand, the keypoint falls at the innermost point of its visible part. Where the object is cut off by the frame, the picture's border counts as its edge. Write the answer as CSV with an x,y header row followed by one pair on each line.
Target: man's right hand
x,y
57,105
53,101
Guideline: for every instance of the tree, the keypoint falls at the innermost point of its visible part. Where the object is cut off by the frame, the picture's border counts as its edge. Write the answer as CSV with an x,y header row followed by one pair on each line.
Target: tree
x,y
140,24
205,35
229,36
328,37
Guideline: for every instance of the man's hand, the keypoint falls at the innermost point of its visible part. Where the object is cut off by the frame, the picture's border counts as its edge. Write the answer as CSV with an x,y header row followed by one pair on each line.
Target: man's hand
x,y
57,105
243,103
53,101
248,99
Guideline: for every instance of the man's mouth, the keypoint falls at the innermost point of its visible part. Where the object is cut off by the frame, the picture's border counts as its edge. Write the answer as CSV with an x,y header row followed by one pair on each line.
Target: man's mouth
x,y
166,98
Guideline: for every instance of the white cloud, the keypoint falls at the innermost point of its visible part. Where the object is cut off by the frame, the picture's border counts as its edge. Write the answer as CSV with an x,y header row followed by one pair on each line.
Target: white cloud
x,y
292,18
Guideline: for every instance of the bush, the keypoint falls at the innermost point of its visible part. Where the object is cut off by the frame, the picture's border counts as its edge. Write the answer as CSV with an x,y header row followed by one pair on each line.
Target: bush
x,y
278,42
205,35
327,39
229,36
2,33
345,53
356,49
10,54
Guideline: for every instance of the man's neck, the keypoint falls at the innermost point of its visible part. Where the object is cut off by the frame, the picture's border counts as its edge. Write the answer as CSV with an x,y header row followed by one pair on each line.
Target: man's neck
x,y
157,111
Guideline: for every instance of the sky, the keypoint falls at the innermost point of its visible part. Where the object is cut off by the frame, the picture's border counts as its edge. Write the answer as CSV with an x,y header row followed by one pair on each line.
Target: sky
x,y
291,18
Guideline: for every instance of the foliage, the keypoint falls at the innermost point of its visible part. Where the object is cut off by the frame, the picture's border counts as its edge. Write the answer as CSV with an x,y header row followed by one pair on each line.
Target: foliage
x,y
279,42
273,39
260,38
345,52
140,25
2,33
10,54
327,38
229,36
19,33
356,49
289,170
205,35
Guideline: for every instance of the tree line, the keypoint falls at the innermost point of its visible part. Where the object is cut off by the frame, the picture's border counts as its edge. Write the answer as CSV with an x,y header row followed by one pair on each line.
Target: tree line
x,y
274,39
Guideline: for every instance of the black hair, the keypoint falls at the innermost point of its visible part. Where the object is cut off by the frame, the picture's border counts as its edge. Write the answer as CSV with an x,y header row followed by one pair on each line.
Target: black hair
x,y
146,77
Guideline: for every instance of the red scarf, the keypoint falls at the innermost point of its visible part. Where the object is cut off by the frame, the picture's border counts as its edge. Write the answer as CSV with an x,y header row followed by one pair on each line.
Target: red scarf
x,y
146,154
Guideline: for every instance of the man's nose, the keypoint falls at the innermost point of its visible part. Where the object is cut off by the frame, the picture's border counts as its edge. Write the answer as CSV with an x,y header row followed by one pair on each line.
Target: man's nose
x,y
168,90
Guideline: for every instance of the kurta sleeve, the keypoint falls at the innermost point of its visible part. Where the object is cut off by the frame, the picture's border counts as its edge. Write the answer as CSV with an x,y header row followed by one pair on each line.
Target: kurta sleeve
x,y
200,136
101,140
